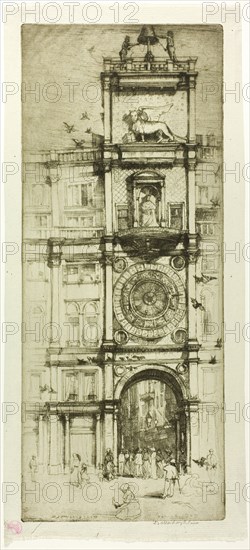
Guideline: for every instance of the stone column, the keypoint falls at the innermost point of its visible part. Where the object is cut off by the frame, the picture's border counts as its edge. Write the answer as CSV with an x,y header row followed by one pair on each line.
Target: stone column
x,y
192,314
115,437
54,461
192,110
163,204
40,444
191,192
55,209
98,440
188,438
108,427
178,438
54,380
136,206
54,262
107,110
108,292
108,200
67,444
194,422
193,377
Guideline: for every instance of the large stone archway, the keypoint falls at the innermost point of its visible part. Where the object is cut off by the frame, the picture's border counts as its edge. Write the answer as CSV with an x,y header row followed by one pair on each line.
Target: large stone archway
x,y
176,384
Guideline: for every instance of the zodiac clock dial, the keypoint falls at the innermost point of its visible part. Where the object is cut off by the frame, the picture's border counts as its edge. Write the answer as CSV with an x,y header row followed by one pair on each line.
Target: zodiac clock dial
x,y
149,300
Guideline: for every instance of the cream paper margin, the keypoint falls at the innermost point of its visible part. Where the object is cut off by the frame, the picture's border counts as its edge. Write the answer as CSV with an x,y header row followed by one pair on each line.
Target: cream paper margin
x,y
74,534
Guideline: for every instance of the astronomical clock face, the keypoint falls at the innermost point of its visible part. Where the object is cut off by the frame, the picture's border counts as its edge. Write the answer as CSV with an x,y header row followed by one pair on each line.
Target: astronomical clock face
x,y
149,300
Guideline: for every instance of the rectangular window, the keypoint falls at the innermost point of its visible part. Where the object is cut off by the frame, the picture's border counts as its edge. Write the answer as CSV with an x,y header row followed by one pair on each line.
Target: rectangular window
x,y
41,221
122,217
80,194
203,195
176,216
89,387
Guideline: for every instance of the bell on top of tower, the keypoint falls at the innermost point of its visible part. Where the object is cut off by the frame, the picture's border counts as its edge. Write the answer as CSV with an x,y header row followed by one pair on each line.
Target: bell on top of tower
x,y
147,36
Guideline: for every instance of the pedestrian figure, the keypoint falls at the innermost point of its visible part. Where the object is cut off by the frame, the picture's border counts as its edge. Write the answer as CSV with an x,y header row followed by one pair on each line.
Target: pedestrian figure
x,y
121,460
75,470
108,465
146,464
159,465
211,465
130,507
138,463
33,467
84,477
100,472
127,464
171,477
153,463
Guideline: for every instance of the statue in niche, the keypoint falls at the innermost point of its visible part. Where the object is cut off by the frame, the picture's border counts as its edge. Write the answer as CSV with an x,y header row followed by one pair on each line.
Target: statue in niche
x,y
147,207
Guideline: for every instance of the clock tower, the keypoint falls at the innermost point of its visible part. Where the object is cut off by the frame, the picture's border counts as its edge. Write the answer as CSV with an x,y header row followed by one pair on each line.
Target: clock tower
x,y
150,246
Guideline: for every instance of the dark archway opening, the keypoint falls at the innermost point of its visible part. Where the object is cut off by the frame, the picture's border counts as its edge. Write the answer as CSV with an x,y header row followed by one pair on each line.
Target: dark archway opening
x,y
152,420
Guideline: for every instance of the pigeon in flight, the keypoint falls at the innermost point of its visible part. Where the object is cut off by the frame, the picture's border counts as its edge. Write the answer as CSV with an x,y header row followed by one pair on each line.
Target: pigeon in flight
x,y
197,305
69,127
84,116
79,143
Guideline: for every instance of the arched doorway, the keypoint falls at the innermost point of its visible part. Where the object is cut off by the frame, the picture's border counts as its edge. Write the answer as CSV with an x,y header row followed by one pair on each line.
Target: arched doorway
x,y
151,414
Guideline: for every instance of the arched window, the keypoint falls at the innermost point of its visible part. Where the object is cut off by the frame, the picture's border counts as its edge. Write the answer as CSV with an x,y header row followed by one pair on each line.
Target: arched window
x,y
90,332
72,325
208,317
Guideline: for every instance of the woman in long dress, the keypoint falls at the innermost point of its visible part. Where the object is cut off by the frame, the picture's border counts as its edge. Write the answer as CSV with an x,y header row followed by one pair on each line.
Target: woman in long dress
x,y
127,464
146,464
153,463
159,465
75,470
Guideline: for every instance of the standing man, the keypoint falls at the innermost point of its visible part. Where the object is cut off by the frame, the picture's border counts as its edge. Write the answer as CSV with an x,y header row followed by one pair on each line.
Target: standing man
x,y
171,477
211,465
121,460
138,463
153,463
33,467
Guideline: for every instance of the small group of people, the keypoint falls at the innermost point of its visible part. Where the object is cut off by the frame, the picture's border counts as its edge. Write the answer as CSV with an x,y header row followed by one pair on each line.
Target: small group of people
x,y
145,463
78,471
107,471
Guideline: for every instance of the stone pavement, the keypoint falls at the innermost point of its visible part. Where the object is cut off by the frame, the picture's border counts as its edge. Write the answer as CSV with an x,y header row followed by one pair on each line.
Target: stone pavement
x,y
52,498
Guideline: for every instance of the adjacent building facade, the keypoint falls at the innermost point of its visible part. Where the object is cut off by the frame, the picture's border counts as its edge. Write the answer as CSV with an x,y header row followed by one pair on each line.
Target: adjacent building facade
x,y
121,271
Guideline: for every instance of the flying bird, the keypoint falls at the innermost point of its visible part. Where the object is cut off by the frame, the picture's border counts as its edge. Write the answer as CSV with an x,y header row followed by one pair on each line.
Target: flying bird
x,y
79,143
200,462
197,305
69,128
204,278
89,130
215,202
44,388
84,116
218,343
90,50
